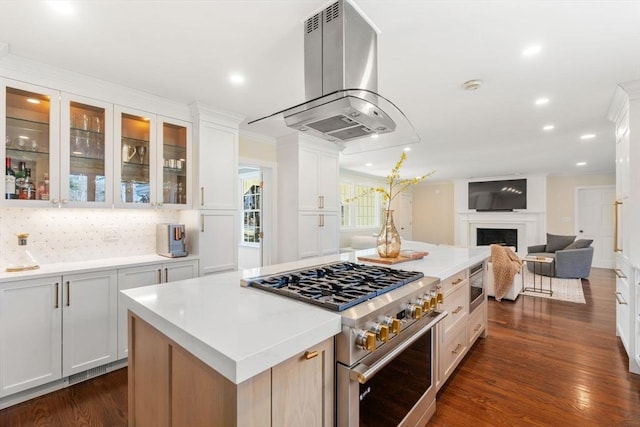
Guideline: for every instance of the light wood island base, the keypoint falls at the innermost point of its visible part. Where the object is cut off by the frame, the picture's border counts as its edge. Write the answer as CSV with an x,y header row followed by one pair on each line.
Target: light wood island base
x,y
168,386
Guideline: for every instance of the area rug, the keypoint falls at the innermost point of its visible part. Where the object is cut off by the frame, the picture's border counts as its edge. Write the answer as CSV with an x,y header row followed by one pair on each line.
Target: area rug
x,y
563,289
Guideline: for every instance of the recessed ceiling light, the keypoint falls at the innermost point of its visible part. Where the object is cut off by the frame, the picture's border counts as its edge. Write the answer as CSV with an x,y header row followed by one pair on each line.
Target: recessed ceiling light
x,y
542,101
548,127
60,6
472,85
581,164
368,164
588,136
407,149
236,79
33,100
532,50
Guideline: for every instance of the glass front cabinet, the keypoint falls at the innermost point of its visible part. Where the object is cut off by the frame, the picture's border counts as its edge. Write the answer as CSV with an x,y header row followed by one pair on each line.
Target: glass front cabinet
x,y
71,151
31,152
153,158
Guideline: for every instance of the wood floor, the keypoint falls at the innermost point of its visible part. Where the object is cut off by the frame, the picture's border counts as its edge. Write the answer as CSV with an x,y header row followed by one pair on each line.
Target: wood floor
x,y
544,363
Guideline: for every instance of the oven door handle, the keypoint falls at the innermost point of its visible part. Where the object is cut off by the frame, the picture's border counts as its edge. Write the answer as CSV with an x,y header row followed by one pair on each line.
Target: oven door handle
x,y
363,373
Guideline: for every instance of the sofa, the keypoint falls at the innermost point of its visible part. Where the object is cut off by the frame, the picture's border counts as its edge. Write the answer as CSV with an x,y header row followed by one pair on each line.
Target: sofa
x,y
571,258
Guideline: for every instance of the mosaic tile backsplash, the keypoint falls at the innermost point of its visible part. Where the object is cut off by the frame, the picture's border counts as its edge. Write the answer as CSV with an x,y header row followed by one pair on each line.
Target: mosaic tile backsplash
x,y
66,235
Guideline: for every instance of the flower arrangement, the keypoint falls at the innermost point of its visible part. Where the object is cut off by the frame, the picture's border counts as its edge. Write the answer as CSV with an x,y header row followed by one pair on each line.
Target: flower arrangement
x,y
388,239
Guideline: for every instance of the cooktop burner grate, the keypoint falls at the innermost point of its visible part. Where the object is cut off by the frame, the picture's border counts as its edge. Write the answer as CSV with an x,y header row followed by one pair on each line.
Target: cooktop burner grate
x,y
336,286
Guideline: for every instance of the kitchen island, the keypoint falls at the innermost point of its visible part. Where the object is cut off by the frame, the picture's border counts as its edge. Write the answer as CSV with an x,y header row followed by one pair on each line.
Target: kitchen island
x,y
238,340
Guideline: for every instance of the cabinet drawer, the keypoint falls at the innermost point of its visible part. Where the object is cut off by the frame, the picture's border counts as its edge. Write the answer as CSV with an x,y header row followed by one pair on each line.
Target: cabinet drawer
x,y
477,323
458,280
451,352
456,304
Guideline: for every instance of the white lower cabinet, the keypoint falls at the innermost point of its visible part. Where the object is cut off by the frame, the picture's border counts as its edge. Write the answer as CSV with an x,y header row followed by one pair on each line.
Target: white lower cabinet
x,y
30,334
218,240
89,324
146,275
53,327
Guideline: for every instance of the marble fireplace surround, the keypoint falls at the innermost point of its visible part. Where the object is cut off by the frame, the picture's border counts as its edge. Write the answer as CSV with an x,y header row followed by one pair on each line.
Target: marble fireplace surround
x,y
530,227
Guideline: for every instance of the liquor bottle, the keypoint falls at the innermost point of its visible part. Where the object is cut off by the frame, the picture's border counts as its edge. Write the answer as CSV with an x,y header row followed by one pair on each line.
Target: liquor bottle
x,y
28,188
43,188
20,174
9,181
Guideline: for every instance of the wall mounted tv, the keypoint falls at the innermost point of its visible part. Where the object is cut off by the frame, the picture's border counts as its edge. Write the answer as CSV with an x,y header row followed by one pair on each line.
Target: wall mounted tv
x,y
505,195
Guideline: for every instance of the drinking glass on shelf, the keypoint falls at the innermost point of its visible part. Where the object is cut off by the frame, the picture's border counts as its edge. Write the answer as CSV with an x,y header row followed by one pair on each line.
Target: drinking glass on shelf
x,y
141,150
96,124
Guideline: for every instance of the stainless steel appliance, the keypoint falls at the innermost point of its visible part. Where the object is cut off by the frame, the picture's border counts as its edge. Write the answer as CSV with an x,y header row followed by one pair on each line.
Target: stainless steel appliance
x,y
476,289
384,354
170,240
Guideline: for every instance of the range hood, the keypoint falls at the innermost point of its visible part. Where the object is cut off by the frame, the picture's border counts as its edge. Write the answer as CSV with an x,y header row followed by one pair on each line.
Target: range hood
x,y
341,83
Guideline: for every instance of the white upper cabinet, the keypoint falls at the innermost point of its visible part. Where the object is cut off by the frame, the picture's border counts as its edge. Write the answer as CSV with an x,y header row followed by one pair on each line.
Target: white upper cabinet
x,y
318,187
31,127
174,163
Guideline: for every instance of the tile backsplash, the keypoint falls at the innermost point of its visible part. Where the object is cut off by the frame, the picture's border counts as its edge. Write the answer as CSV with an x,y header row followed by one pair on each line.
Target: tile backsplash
x,y
63,235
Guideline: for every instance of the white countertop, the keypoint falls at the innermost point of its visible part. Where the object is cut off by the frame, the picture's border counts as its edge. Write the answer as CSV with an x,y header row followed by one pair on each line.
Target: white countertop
x,y
86,266
241,332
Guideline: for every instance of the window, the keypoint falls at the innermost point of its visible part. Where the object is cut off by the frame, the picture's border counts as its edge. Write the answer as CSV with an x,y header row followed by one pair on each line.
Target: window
x,y
363,210
251,205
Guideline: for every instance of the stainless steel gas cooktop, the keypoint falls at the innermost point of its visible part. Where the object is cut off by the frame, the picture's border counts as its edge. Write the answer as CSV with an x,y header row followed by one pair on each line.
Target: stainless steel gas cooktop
x,y
336,286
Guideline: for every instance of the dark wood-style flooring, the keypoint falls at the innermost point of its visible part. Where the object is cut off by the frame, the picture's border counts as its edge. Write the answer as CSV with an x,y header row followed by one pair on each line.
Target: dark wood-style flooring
x,y
544,363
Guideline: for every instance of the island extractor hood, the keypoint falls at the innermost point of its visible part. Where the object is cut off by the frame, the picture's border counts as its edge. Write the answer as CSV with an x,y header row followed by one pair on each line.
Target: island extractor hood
x,y
341,82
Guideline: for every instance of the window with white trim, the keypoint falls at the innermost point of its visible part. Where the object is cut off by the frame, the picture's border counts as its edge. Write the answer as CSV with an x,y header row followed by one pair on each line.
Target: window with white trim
x,y
363,210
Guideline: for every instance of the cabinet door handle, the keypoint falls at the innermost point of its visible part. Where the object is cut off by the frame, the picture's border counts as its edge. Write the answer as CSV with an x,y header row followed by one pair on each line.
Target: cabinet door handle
x,y
457,349
310,354
166,275
57,295
457,281
321,202
457,310
68,294
159,275
616,205
621,300
619,273
201,196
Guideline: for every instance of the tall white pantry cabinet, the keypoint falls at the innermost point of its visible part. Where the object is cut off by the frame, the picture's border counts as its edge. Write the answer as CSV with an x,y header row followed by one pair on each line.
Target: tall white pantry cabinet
x,y
308,197
625,112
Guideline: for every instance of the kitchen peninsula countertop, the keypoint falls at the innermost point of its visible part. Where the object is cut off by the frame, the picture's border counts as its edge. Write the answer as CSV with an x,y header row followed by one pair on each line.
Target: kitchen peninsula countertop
x,y
241,332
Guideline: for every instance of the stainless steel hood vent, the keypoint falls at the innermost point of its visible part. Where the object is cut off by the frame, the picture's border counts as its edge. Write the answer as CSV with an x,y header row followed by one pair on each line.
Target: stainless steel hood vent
x,y
341,83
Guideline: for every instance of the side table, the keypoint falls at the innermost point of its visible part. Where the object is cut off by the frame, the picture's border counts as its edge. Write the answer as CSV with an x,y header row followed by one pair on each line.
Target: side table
x,y
538,261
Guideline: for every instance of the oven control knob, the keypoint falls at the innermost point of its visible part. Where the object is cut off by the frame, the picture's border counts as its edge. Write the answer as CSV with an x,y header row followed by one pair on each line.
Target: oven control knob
x,y
414,311
393,323
425,303
366,340
381,331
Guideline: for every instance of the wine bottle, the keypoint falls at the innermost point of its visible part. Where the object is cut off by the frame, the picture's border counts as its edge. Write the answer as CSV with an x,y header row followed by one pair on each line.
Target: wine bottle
x,y
9,181
27,188
20,174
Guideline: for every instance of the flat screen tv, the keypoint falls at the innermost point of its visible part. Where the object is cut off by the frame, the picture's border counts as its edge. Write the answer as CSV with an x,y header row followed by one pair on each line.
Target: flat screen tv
x,y
505,195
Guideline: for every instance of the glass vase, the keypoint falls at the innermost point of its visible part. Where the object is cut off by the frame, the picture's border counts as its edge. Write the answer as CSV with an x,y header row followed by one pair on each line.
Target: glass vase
x,y
388,239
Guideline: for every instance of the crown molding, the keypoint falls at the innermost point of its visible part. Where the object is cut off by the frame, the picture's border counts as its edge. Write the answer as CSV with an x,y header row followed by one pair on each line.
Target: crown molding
x,y
207,113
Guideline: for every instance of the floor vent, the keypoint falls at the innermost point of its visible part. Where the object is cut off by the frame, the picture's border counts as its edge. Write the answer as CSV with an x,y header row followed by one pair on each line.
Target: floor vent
x,y
82,376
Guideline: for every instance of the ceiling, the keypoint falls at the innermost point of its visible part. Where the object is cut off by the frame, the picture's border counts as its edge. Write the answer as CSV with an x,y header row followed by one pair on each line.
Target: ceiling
x,y
186,50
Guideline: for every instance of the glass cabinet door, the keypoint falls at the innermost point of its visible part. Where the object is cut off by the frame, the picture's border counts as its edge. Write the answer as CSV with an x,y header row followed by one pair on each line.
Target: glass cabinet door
x,y
87,164
174,161
31,143
136,133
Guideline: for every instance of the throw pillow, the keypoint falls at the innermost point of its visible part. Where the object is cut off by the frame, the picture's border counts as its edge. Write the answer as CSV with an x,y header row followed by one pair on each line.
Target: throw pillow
x,y
580,244
556,242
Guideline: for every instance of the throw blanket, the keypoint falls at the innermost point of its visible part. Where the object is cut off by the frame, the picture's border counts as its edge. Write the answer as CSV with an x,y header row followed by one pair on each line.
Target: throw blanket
x,y
506,265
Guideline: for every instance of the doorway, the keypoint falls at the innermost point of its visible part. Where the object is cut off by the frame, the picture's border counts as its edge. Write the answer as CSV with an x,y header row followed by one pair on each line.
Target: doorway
x,y
256,212
594,220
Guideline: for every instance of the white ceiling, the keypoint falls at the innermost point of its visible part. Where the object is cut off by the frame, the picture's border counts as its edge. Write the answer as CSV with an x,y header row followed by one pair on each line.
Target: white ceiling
x,y
185,50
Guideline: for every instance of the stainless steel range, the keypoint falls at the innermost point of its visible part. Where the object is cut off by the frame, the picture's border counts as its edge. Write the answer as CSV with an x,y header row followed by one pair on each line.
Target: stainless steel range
x,y
384,370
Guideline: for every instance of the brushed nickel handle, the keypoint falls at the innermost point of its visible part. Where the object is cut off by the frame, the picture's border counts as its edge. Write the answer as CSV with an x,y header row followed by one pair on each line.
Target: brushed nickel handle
x,y
457,310
68,294
201,196
159,276
202,223
621,300
321,202
308,355
619,273
166,275
457,349
57,295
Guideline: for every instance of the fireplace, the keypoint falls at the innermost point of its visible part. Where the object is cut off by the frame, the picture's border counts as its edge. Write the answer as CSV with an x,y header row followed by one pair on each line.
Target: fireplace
x,y
498,236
